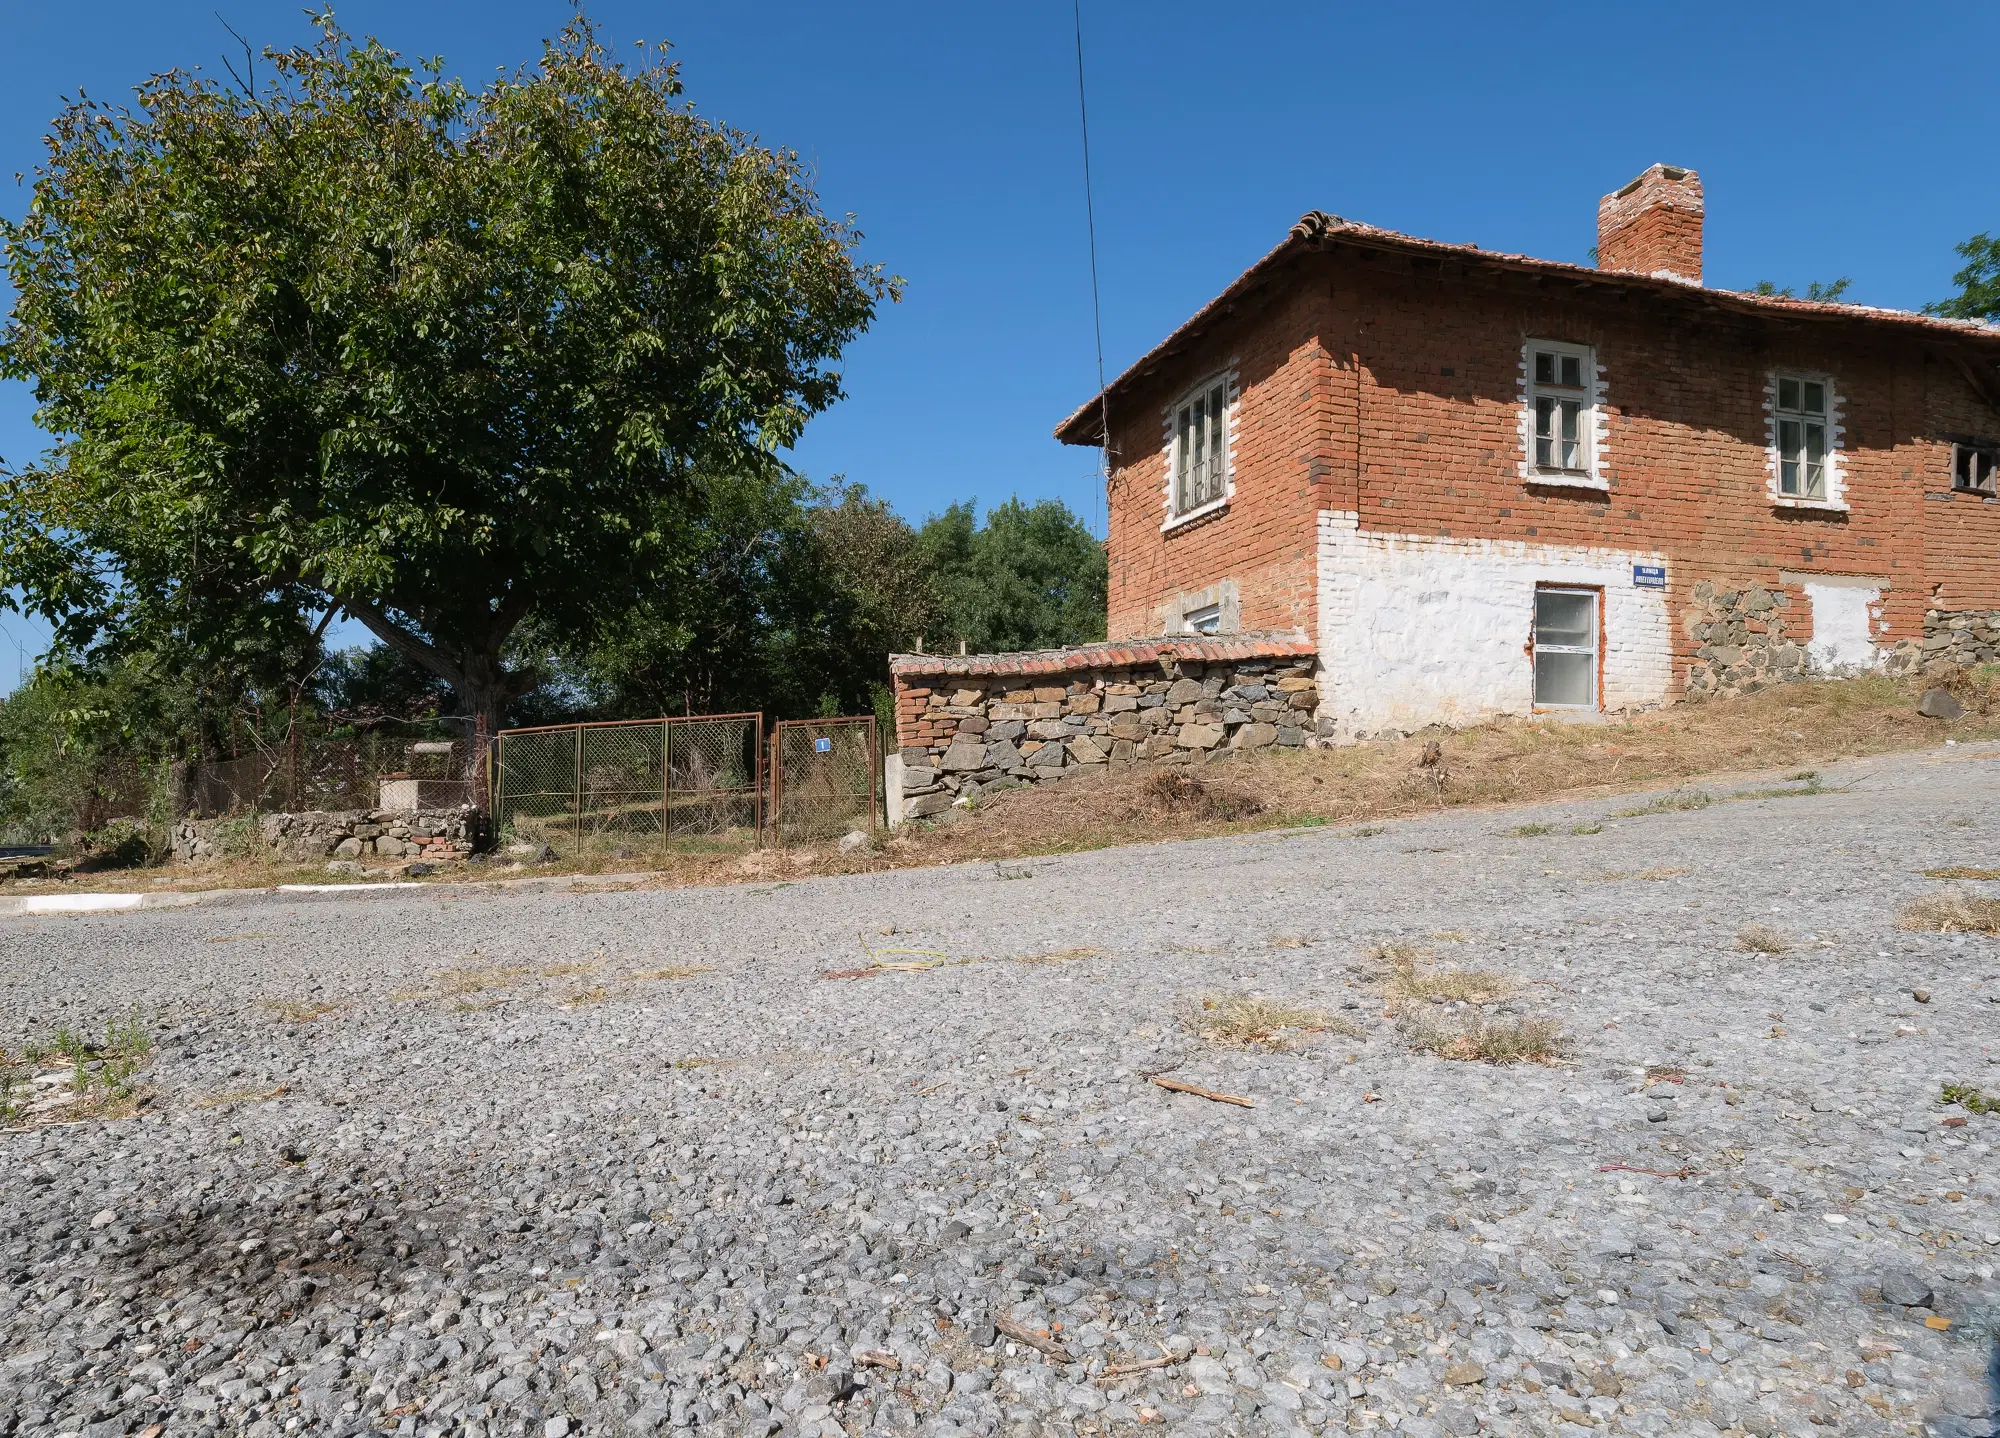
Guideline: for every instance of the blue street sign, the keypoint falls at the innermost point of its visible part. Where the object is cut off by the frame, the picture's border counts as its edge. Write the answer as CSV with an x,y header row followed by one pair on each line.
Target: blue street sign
x,y
1649,576
822,746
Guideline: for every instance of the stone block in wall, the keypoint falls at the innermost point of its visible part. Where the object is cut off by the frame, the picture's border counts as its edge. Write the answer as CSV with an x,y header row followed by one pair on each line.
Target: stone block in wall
x,y
1199,736
1254,736
1003,755
965,755
1181,693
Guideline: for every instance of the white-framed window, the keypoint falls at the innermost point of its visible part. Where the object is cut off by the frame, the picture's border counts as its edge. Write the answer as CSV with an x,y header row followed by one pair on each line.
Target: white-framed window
x,y
1973,467
1565,647
1801,426
1560,422
1198,463
1205,620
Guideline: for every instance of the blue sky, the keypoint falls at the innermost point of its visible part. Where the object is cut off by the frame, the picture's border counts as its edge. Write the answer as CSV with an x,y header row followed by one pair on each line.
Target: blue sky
x,y
1832,139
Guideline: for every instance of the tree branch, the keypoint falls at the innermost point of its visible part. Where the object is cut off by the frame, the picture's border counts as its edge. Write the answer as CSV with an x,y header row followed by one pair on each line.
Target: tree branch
x,y
416,650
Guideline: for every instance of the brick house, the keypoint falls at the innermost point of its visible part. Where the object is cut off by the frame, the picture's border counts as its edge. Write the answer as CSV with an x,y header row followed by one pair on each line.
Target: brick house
x,y
1473,483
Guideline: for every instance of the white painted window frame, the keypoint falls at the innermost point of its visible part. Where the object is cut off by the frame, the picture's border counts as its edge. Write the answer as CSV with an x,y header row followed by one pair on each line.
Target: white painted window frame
x,y
1594,428
1170,447
1595,649
1836,443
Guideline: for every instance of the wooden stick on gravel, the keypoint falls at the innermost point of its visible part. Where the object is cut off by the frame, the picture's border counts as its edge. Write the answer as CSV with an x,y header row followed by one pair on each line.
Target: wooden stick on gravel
x,y
1041,1342
879,1358
1178,1087
1119,1370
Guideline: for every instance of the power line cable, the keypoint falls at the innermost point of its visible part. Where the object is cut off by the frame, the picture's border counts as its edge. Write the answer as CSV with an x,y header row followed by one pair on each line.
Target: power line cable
x,y
1096,306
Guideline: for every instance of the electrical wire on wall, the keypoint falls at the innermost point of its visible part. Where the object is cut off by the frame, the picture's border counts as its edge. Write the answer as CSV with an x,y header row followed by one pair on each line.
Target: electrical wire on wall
x,y
1096,307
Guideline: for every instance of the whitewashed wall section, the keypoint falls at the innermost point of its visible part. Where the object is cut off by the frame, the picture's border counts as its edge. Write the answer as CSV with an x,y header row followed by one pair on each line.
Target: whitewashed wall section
x,y
1416,630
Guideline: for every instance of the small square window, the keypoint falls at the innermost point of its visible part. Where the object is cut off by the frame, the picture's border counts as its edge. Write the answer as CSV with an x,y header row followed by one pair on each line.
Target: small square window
x,y
1801,435
1205,620
1562,417
1973,467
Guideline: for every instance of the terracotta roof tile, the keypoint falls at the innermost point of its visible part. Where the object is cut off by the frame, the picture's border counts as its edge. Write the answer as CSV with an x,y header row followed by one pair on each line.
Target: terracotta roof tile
x,y
1119,654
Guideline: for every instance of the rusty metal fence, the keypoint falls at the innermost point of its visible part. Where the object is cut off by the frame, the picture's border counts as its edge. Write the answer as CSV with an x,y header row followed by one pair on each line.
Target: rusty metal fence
x,y
823,778
300,774
631,785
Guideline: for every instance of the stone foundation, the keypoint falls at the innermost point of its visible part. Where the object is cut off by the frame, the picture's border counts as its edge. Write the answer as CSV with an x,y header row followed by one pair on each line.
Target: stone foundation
x,y
982,722
1741,642
382,834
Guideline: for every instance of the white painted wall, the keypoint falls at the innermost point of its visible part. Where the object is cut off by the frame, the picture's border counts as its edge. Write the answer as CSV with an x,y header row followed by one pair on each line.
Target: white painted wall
x,y
1416,630
1844,619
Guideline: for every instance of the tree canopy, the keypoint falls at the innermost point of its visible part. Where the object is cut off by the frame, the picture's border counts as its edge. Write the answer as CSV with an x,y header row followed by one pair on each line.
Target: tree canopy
x,y
1032,577
1978,296
359,338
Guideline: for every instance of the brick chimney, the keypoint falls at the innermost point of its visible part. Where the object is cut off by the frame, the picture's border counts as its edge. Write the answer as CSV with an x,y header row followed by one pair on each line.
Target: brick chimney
x,y
1653,225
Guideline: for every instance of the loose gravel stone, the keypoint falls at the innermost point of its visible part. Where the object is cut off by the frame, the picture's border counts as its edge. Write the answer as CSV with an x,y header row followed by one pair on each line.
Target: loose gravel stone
x,y
520,1161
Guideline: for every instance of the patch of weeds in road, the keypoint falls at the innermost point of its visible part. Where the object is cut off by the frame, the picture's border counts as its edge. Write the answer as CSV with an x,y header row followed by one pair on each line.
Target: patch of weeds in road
x,y
1062,956
1680,801
1477,1039
1530,831
1410,981
1287,941
1762,939
1969,1098
673,972
1366,831
1253,1021
298,1011
1959,872
73,1078
1012,871
1810,786
1586,828
466,980
1652,875
1953,913
596,994
1450,936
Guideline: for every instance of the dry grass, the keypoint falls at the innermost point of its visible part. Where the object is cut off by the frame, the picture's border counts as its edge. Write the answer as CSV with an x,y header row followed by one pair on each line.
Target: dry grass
x,y
298,1011
1251,1021
1409,982
1179,793
1762,939
1652,875
1476,1039
1962,873
1953,913
673,972
468,980
1062,956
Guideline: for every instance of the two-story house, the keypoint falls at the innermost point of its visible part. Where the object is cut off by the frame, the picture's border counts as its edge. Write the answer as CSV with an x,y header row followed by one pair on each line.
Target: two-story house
x,y
1472,483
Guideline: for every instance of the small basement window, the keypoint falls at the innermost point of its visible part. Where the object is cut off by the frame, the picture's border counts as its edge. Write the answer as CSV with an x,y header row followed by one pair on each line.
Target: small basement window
x,y
1973,466
1801,426
1565,648
1205,620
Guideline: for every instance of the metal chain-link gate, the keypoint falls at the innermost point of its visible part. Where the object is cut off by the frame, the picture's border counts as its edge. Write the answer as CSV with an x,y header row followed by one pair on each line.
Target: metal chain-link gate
x,y
694,782
823,777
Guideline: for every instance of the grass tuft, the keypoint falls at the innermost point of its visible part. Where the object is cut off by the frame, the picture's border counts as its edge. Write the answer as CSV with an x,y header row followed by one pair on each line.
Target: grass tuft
x,y
1680,801
1762,939
1530,831
1410,983
1970,1099
1480,1040
1953,913
1251,1021
1962,873
675,971
298,1011
1177,794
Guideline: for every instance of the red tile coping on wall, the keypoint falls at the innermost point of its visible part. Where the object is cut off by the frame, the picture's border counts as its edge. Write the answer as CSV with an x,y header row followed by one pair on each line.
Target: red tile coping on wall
x,y
1113,654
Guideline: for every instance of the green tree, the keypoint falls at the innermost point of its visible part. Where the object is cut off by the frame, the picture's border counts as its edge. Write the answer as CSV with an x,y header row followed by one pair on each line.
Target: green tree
x,y
1978,296
359,338
1031,577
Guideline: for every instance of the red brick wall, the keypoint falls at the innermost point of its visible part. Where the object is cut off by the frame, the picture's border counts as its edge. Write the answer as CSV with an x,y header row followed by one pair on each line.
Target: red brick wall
x,y
1391,387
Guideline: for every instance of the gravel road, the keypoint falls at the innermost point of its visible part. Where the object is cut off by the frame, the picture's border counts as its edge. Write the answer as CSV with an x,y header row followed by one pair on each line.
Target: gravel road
x,y
486,1160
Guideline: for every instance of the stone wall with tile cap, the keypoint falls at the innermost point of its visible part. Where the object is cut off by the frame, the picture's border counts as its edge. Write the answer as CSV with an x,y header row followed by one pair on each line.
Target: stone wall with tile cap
x,y
969,733
378,834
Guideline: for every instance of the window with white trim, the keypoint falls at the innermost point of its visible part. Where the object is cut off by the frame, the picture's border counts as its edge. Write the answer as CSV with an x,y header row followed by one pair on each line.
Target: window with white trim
x,y
1565,648
1205,620
1562,410
1201,447
1973,467
1800,423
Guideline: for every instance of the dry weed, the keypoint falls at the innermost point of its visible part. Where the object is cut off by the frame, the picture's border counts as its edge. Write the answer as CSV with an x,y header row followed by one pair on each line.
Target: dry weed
x,y
1482,1040
674,971
1655,875
299,1011
1408,982
1762,939
1062,956
1249,1020
1962,873
1287,941
1953,913
1177,794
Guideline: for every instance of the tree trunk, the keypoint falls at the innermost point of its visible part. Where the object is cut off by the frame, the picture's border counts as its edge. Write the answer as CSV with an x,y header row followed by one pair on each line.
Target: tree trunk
x,y
476,672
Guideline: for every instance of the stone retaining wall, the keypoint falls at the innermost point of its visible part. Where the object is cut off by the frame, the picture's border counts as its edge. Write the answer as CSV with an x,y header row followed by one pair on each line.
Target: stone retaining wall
x,y
1740,641
398,834
967,733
